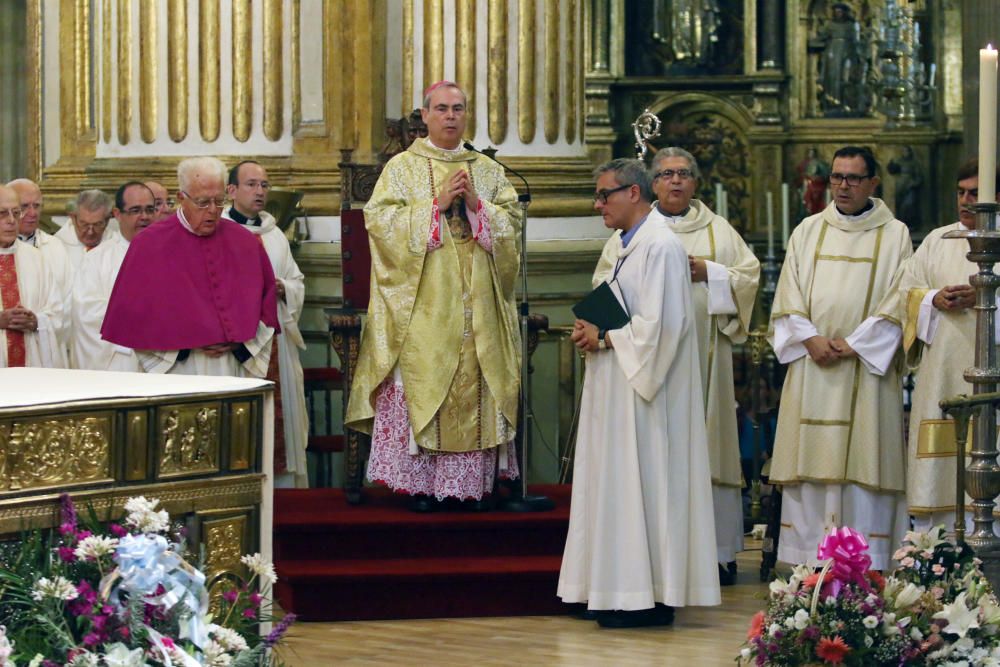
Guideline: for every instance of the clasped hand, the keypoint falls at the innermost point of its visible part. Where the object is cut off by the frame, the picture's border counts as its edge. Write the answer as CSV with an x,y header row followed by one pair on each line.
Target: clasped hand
x,y
218,349
828,351
18,318
584,336
459,186
954,297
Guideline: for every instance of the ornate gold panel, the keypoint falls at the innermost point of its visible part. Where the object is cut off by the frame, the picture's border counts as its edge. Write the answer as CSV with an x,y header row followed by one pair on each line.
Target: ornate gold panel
x,y
188,439
136,449
224,541
58,451
241,436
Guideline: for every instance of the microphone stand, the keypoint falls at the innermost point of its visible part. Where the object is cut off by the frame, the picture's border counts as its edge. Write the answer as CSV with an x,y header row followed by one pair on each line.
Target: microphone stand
x,y
520,500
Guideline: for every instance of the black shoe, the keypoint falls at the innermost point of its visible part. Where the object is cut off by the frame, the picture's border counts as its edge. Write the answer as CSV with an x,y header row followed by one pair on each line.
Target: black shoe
x,y
472,505
423,504
727,575
587,615
642,618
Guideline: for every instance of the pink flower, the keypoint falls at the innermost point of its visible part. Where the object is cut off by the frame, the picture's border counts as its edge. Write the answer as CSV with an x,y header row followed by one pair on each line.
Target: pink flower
x,y
938,569
168,642
230,595
255,599
66,554
118,530
756,625
249,612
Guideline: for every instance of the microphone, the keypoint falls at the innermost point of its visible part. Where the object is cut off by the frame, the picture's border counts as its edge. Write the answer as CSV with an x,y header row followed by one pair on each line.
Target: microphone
x,y
524,198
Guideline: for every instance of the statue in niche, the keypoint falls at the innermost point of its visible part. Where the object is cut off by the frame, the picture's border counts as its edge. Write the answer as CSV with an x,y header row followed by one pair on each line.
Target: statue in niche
x,y
843,67
812,180
909,180
689,28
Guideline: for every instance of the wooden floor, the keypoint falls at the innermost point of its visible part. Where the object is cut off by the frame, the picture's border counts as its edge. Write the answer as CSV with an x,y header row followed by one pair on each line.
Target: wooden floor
x,y
700,637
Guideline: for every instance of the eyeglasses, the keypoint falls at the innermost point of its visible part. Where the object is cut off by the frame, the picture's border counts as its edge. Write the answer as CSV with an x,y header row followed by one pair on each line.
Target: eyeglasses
x,y
206,203
253,185
160,202
34,206
91,226
8,213
682,174
602,195
137,210
853,180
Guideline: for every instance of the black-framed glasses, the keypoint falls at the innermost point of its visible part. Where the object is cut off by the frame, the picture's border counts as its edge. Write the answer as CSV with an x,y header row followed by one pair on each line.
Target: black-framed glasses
x,y
219,203
137,210
602,195
682,174
853,180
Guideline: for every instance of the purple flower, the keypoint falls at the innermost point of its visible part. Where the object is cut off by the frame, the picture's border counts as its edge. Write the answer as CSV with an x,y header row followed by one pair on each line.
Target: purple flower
x,y
82,534
230,595
279,631
66,554
67,511
118,530
811,633
255,599
249,612
91,639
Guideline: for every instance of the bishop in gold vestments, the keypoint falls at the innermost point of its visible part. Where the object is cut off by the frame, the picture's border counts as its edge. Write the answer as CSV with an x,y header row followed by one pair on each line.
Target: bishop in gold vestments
x,y
437,378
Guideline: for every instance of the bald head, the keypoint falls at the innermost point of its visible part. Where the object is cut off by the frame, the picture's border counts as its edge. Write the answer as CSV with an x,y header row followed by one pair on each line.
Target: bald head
x,y
9,212
30,200
161,200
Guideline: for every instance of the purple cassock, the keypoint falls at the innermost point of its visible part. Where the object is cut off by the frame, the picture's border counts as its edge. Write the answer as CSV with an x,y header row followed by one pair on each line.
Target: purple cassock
x,y
178,291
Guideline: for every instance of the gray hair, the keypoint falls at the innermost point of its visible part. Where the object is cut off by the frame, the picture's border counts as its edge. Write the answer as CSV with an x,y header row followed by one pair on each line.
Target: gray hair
x,y
94,200
440,85
193,168
674,151
629,172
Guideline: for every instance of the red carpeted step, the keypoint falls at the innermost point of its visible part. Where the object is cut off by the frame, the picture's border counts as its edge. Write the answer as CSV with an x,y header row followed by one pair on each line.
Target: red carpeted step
x,y
420,587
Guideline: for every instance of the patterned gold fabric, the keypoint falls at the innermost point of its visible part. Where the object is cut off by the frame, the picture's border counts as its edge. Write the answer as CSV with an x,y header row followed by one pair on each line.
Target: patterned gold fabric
x,y
419,314
841,424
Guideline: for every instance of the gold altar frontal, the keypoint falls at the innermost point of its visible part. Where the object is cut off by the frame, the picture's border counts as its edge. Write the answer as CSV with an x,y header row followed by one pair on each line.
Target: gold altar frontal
x,y
201,445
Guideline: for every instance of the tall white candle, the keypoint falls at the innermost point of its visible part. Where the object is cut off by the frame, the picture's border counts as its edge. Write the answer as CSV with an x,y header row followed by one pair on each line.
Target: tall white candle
x,y
718,199
785,223
987,123
770,223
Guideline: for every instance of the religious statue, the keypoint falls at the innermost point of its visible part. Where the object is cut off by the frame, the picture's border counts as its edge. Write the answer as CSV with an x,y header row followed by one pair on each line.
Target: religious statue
x,y
909,180
394,143
812,179
416,128
842,65
690,28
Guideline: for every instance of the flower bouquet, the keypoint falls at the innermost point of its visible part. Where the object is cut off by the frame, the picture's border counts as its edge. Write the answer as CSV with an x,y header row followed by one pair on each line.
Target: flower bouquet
x,y
937,608
124,596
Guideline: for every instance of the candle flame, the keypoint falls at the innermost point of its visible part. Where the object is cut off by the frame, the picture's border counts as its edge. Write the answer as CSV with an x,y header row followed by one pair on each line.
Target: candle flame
x,y
989,47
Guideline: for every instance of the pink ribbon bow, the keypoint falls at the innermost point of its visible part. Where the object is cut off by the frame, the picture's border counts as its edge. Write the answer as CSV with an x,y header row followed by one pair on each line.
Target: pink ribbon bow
x,y
847,548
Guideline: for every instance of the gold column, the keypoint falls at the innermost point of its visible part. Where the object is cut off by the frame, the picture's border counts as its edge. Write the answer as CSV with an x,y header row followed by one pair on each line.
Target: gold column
x,y
496,72
273,75
81,39
124,71
433,41
407,57
296,65
106,49
571,22
465,58
177,71
552,50
208,66
526,39
242,70
148,63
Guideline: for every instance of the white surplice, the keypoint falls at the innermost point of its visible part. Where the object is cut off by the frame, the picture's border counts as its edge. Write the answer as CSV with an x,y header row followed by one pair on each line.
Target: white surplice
x,y
57,263
39,295
93,284
290,341
641,527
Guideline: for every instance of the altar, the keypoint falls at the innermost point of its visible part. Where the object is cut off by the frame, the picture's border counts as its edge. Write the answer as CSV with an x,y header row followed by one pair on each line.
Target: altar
x,y
202,445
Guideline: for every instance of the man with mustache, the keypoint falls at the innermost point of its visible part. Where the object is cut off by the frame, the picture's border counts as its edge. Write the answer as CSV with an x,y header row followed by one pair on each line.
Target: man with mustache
x,y
438,371
939,337
28,322
248,189
838,452
134,210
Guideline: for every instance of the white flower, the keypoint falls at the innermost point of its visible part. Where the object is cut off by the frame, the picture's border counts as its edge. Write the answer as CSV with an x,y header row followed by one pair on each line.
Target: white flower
x,y
118,655
57,587
230,640
85,659
790,622
144,517
990,610
960,618
801,619
870,622
964,645
908,595
925,541
260,567
869,641
215,655
6,648
916,635
37,660
745,653
774,629
93,547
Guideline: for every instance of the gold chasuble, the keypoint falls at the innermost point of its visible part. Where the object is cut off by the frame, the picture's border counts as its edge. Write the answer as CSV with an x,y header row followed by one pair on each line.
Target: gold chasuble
x,y
443,318
939,365
841,424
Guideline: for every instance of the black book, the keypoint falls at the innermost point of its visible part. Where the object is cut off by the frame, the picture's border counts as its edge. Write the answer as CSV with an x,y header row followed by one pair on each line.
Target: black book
x,y
602,309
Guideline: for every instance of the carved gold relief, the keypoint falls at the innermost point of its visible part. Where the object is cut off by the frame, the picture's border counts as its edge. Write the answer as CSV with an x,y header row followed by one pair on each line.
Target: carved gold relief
x,y
224,539
55,452
241,441
189,439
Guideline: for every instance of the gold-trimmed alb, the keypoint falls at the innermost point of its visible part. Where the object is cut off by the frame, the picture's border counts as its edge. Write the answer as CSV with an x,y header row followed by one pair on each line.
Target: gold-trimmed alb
x,y
208,69
936,438
177,70
242,69
273,74
148,64
465,59
496,71
527,38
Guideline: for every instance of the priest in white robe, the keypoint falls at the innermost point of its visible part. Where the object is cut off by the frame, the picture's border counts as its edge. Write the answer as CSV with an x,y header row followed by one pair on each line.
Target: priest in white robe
x,y
28,321
836,320
195,293
248,189
88,225
53,254
134,210
939,337
641,536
